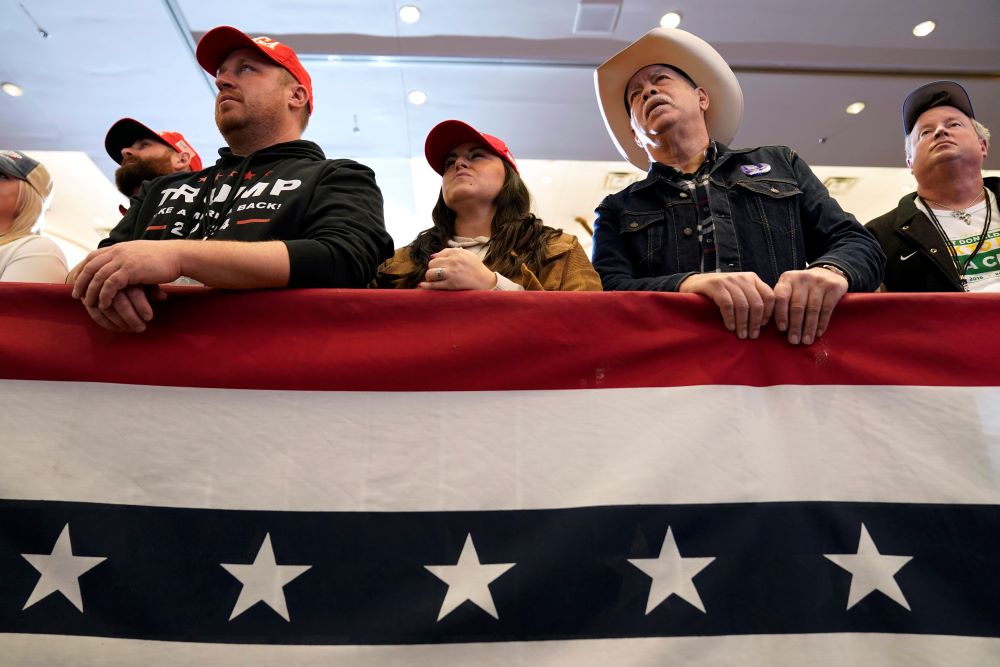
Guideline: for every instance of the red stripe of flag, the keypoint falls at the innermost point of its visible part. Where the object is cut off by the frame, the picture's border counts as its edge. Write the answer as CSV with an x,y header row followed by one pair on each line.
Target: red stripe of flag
x,y
394,340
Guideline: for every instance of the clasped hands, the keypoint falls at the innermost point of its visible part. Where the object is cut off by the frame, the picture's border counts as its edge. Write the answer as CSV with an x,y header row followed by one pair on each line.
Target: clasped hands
x,y
800,303
457,269
117,284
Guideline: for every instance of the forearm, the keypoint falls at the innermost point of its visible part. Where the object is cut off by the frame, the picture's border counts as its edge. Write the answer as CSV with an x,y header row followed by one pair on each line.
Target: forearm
x,y
234,264
616,282
833,236
616,267
860,258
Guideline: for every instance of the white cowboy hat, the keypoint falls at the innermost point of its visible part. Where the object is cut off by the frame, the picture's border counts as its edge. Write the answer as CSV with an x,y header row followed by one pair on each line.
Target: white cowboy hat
x,y
693,55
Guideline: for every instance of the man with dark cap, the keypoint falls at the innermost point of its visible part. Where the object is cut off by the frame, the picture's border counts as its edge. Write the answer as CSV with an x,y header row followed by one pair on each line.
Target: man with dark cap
x,y
144,154
277,212
751,229
944,237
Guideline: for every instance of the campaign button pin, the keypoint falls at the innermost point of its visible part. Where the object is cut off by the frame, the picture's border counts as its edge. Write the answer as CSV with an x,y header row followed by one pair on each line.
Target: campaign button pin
x,y
755,169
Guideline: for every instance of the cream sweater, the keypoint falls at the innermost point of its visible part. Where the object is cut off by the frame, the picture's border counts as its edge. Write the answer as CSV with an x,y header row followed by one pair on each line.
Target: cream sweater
x,y
32,259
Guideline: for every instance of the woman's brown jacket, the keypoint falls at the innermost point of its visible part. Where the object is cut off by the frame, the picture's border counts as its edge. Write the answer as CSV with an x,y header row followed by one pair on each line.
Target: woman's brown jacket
x,y
566,268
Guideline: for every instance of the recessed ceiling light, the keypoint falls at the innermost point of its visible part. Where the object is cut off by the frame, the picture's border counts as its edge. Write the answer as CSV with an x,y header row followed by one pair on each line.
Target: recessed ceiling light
x,y
670,20
854,108
409,14
11,89
924,29
417,97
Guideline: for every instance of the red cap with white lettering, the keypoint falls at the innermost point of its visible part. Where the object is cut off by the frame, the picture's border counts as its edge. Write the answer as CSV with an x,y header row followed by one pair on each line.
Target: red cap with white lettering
x,y
216,45
450,133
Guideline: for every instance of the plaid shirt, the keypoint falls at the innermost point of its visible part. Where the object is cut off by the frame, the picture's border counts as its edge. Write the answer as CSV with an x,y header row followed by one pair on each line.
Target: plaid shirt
x,y
696,185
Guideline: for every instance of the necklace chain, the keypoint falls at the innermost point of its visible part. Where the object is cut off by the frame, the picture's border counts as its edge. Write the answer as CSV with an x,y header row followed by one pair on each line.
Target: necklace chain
x,y
961,212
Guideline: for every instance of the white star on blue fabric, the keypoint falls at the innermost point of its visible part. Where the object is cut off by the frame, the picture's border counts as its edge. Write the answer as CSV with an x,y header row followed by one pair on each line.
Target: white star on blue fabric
x,y
871,571
468,580
672,574
60,571
263,581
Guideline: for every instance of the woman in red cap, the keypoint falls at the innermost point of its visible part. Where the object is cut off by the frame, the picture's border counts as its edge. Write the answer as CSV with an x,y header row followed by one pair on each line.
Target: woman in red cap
x,y
484,235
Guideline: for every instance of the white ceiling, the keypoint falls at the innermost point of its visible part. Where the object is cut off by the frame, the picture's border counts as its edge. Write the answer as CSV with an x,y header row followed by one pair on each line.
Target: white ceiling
x,y
514,68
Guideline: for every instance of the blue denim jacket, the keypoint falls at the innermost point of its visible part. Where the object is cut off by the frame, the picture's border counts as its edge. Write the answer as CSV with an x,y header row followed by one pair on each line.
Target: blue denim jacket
x,y
645,237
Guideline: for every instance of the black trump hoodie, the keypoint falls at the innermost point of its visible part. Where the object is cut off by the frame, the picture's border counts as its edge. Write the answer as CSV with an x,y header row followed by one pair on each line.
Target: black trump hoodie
x,y
327,212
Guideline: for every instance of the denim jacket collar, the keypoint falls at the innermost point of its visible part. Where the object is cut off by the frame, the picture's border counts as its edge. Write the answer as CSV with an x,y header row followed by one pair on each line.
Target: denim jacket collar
x,y
716,155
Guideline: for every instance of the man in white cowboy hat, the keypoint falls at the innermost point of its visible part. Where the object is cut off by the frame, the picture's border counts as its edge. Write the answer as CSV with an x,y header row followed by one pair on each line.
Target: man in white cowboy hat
x,y
945,237
752,229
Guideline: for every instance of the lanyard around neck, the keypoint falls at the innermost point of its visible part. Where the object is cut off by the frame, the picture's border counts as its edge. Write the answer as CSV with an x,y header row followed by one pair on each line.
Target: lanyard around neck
x,y
961,266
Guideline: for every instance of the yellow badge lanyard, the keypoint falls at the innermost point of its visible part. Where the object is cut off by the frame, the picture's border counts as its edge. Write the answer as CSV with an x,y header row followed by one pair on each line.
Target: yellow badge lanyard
x,y
961,266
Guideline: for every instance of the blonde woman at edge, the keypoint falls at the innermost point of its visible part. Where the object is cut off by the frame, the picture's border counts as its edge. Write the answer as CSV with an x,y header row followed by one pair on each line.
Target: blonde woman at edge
x,y
25,257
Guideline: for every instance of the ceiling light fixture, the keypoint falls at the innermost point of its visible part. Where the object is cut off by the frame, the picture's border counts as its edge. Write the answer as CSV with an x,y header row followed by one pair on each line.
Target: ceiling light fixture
x,y
670,20
924,29
409,14
854,108
417,97
11,89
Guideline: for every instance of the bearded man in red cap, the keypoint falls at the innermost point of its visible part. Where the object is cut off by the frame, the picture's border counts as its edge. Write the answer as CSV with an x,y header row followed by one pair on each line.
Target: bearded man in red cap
x,y
144,154
277,212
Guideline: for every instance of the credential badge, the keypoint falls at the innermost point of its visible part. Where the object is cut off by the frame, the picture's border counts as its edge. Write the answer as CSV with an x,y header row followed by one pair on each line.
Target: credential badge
x,y
755,169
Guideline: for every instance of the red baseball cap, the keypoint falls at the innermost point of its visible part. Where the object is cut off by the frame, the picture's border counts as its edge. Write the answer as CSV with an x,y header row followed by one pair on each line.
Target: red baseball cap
x,y
127,131
450,133
216,45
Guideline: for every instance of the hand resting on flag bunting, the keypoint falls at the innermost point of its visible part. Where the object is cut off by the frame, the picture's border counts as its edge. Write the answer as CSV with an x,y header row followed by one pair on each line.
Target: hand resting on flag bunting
x,y
106,280
801,302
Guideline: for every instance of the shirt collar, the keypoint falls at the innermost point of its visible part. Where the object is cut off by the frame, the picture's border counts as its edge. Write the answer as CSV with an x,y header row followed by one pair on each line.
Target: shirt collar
x,y
673,174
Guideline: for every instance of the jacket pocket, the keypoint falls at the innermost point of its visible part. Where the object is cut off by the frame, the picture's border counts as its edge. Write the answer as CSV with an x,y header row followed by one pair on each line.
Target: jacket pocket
x,y
773,208
770,189
771,203
642,232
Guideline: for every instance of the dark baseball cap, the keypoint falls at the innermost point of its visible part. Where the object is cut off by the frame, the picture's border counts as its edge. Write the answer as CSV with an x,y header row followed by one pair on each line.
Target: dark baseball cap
x,y
16,164
934,94
127,131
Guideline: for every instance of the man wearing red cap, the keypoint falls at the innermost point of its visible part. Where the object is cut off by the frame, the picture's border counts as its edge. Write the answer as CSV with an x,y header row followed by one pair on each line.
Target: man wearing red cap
x,y
278,213
144,154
